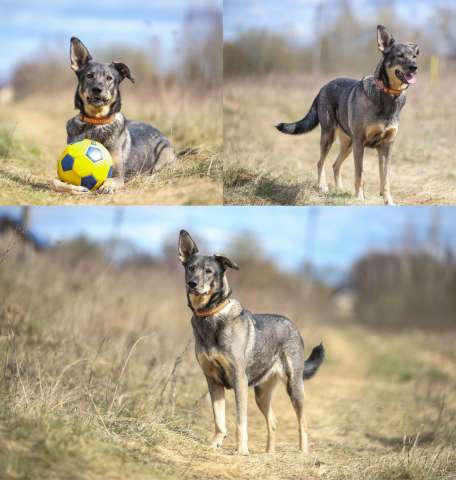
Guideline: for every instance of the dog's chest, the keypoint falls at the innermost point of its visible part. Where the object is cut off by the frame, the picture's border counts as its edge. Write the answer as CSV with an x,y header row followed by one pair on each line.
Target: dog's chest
x,y
379,133
216,365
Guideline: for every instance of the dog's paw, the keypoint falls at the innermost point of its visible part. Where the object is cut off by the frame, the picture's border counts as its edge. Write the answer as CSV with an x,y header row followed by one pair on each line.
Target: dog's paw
x,y
218,440
323,188
242,451
109,187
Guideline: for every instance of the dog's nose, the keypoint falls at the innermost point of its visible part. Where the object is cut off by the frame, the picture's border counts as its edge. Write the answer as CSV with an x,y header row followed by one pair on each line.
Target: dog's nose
x,y
413,68
96,90
191,284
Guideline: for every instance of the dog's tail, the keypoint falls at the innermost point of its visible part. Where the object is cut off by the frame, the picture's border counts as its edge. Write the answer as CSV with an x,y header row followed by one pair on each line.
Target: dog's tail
x,y
312,364
308,123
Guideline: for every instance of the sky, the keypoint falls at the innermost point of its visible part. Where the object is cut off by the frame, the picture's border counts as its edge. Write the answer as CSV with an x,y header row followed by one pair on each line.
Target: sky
x,y
328,237
296,17
28,25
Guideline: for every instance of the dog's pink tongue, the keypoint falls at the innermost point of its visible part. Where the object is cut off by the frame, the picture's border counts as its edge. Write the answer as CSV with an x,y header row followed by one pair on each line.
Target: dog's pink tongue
x,y
411,78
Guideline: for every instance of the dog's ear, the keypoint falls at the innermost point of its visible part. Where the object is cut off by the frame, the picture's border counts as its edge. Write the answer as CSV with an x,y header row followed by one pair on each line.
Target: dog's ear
x,y
123,70
187,247
79,54
384,39
414,47
226,262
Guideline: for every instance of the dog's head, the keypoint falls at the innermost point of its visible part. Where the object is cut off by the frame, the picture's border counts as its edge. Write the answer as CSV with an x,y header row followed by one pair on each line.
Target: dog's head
x,y
399,59
205,276
97,93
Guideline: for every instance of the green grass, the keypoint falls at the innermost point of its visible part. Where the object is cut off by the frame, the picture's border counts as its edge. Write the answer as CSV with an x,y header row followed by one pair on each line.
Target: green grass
x,y
401,367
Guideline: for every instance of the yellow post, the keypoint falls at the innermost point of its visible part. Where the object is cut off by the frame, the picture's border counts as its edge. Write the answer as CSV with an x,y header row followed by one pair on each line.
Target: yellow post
x,y
434,69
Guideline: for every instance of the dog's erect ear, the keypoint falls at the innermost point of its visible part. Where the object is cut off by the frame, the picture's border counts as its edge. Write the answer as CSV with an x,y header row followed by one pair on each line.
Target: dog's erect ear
x,y
384,39
123,70
414,47
187,247
226,262
79,54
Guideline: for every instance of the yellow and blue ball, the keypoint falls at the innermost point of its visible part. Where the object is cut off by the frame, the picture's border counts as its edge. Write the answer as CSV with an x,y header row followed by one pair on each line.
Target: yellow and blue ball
x,y
86,163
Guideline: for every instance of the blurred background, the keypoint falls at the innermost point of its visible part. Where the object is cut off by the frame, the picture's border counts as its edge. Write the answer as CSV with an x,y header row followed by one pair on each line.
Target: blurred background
x,y
387,268
177,41
174,51
333,36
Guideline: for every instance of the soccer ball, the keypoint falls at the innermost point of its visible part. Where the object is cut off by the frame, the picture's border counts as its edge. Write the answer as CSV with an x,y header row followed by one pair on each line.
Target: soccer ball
x,y
86,163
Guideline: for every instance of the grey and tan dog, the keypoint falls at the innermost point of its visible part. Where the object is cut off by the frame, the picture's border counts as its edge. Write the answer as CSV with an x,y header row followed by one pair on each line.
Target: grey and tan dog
x,y
363,113
135,147
237,349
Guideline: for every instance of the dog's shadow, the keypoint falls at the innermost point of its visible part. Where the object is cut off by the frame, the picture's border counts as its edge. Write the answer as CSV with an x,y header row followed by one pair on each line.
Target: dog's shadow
x,y
277,192
24,180
405,442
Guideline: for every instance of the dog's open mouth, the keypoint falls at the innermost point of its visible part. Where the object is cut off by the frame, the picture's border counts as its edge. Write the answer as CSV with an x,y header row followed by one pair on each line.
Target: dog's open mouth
x,y
97,100
407,78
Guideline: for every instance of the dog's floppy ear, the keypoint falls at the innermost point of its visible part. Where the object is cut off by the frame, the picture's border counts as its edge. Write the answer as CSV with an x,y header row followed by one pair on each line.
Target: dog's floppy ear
x,y
79,54
384,39
123,70
226,262
414,47
187,247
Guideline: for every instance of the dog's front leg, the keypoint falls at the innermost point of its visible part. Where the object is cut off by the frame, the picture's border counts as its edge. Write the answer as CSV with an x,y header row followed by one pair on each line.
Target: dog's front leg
x,y
241,390
358,154
113,185
217,393
384,161
62,187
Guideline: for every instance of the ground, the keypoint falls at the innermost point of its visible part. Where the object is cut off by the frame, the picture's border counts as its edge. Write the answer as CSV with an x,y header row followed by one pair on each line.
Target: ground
x,y
263,166
32,135
96,386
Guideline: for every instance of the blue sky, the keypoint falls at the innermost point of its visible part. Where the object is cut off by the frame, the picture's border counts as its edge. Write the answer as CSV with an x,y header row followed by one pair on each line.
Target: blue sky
x,y
330,236
296,17
27,25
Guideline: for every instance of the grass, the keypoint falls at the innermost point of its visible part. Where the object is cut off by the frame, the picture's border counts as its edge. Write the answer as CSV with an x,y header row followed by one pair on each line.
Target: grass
x,y
423,160
98,380
32,134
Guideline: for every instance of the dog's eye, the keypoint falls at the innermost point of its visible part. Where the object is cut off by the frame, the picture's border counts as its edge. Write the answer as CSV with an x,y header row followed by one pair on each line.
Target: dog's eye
x,y
191,268
89,75
109,78
208,270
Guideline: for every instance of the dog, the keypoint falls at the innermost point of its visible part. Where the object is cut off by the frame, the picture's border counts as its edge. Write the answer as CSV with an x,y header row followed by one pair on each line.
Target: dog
x,y
363,113
135,147
237,349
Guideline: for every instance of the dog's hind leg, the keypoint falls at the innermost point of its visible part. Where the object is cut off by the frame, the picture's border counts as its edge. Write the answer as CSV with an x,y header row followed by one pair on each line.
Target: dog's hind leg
x,y
263,397
344,152
295,390
217,393
384,160
326,141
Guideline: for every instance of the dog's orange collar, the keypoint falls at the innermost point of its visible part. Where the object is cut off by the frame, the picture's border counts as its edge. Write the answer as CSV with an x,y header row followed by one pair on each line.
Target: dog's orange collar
x,y
391,91
211,311
97,121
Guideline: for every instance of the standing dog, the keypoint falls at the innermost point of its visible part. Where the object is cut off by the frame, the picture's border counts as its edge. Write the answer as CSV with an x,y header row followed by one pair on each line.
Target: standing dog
x,y
238,349
363,113
135,147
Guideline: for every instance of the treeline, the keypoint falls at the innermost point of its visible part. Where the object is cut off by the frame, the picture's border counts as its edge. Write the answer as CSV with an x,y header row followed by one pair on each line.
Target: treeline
x,y
411,286
343,41
199,66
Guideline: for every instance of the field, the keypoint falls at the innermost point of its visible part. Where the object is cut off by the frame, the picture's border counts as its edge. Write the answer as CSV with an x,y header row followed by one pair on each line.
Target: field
x,y
32,135
98,380
263,166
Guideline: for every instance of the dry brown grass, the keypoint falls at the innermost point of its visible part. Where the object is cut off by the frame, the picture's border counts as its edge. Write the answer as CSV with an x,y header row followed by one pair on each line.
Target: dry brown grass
x,y
98,380
32,135
263,166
